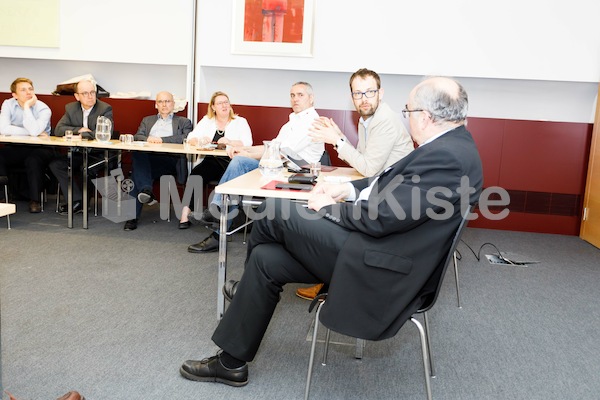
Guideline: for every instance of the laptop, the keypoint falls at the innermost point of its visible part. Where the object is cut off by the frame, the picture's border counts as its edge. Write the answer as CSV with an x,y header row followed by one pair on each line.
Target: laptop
x,y
293,160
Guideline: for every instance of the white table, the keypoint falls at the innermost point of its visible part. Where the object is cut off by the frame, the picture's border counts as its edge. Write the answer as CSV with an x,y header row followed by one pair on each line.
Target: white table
x,y
249,185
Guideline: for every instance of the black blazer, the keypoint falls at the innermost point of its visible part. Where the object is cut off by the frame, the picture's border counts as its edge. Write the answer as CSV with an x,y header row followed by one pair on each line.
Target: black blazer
x,y
181,128
73,118
386,260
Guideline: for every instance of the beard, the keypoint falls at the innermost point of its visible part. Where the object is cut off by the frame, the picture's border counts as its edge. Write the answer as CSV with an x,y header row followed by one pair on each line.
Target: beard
x,y
366,113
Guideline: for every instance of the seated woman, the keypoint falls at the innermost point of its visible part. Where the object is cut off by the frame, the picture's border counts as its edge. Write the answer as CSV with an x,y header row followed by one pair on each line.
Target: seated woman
x,y
223,127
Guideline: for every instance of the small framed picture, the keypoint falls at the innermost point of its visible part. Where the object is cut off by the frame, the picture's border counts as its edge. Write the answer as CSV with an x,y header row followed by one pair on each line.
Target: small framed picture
x,y
273,27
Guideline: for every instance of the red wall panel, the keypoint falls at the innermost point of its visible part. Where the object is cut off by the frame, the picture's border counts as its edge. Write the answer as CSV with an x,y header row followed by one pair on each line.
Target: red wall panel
x,y
545,156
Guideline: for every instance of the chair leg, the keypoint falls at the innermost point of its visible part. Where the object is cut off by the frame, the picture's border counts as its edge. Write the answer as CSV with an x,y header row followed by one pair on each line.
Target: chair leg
x,y
6,200
325,346
428,342
312,351
169,215
360,346
57,196
42,199
96,201
425,352
455,259
245,229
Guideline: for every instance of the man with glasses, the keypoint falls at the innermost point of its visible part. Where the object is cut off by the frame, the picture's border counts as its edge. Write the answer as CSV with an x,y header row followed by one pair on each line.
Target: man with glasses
x,y
376,240
163,127
80,118
382,137
25,115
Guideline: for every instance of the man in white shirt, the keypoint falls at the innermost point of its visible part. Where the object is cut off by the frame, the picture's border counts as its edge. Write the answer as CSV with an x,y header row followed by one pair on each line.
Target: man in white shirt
x,y
293,135
25,115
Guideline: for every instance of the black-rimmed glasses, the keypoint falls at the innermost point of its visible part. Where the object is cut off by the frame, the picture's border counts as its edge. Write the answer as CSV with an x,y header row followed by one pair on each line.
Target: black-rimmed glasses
x,y
368,94
406,112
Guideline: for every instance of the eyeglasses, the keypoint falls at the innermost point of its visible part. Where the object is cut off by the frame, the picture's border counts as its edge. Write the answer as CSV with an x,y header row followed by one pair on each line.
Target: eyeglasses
x,y
220,103
406,112
368,94
164,101
87,94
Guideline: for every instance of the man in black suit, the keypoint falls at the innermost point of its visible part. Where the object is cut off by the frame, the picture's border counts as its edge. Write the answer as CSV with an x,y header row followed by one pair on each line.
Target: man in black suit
x,y
80,117
163,127
375,241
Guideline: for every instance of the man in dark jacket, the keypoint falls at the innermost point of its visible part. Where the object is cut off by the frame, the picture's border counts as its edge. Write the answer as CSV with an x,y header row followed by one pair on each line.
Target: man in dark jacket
x,y
164,127
375,241
80,117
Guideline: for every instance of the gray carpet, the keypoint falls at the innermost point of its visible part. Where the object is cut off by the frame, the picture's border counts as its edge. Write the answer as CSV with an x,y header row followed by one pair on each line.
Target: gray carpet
x,y
113,314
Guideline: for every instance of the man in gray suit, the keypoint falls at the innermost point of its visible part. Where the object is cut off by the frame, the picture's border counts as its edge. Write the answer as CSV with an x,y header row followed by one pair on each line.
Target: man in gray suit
x,y
164,127
376,241
382,137
80,117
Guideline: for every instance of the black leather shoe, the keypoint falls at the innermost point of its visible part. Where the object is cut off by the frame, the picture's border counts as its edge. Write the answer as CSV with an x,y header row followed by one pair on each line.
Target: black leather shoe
x,y
229,289
207,217
208,245
63,209
185,225
212,370
130,225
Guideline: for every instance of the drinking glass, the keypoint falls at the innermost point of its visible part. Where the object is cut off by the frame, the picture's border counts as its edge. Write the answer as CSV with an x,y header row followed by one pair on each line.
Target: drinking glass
x,y
315,168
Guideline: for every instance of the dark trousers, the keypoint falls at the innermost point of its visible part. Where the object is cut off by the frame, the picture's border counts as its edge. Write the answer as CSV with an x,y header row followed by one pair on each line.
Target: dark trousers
x,y
60,168
146,168
210,169
34,159
281,250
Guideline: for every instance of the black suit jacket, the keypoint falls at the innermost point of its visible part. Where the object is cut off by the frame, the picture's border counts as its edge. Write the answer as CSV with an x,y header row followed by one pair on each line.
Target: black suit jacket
x,y
389,256
73,118
181,128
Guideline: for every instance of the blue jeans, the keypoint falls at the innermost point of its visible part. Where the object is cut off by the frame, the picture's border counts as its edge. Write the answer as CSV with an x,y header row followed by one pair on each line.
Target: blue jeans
x,y
238,166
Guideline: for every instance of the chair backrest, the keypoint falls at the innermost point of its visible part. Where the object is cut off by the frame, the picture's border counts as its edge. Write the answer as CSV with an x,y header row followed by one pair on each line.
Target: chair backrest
x,y
325,158
434,283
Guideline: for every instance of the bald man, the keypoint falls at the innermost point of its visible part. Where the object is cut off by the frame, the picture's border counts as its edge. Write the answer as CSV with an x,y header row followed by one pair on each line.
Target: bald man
x,y
374,241
164,127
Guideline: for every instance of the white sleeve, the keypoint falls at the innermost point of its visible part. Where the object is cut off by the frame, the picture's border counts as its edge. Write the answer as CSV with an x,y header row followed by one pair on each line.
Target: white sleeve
x,y
205,128
240,131
34,125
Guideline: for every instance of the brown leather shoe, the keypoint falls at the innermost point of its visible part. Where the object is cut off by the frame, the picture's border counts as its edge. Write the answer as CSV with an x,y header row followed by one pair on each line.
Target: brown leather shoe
x,y
72,395
309,293
35,207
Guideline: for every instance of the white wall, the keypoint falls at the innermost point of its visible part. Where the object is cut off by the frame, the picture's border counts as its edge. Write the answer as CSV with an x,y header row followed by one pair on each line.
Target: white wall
x,y
120,31
537,60
533,59
513,39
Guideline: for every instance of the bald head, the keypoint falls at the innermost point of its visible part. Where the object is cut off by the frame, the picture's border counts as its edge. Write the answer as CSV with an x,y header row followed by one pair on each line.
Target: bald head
x,y
165,103
443,98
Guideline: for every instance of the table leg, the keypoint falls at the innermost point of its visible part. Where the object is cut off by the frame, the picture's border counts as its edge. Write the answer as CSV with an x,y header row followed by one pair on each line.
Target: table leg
x,y
85,188
70,189
222,270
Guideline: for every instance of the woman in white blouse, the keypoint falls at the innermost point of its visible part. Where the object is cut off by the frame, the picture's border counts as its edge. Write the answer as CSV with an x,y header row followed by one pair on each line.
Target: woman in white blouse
x,y
222,127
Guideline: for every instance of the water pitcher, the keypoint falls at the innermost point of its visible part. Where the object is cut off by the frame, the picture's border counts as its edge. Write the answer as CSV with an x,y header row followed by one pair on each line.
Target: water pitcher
x,y
103,129
270,164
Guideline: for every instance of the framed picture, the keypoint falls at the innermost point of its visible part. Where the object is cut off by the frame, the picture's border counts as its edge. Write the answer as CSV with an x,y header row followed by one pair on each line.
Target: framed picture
x,y
273,27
